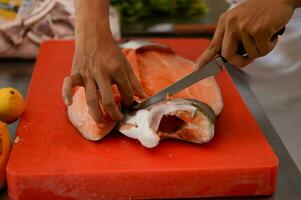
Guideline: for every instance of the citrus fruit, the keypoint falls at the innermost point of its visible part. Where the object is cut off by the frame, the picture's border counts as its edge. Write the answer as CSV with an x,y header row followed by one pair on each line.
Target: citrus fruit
x,y
11,104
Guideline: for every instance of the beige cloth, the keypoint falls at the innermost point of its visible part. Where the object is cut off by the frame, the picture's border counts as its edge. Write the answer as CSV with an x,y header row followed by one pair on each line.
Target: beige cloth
x,y
46,19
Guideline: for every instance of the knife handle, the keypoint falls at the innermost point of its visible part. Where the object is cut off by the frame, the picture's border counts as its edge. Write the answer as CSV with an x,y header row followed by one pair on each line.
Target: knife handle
x,y
241,49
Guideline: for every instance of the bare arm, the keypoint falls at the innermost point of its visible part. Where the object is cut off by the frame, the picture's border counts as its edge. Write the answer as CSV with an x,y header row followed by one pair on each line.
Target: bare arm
x,y
98,62
253,23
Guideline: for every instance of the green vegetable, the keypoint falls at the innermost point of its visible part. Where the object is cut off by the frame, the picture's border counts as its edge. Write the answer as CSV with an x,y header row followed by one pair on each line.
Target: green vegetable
x,y
134,10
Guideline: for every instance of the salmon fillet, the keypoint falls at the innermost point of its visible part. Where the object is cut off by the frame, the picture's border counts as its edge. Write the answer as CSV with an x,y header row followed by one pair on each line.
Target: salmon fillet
x,y
157,68
79,115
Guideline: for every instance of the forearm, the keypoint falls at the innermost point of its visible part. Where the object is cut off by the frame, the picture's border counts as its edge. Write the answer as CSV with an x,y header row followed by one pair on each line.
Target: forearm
x,y
92,21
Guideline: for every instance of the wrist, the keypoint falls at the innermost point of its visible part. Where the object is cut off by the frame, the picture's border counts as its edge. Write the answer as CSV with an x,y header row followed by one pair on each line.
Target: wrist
x,y
93,40
94,32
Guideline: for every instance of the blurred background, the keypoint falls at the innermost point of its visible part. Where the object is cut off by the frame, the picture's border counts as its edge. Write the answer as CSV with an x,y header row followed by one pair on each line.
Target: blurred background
x,y
274,79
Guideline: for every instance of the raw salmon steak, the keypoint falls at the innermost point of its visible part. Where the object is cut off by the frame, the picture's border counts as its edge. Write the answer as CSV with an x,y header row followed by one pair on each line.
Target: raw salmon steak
x,y
189,115
183,119
80,117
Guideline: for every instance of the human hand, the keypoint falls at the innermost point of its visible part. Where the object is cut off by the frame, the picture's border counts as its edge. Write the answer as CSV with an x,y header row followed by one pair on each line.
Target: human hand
x,y
252,23
96,66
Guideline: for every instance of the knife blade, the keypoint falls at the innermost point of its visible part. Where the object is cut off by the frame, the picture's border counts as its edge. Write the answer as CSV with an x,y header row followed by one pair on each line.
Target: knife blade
x,y
211,69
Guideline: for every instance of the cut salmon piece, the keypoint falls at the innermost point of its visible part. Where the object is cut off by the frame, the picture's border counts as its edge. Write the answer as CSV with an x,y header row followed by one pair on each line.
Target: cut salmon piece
x,y
156,68
80,117
183,119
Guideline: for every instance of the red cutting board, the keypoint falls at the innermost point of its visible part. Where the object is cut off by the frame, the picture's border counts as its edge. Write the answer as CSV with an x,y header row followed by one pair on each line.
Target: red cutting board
x,y
51,160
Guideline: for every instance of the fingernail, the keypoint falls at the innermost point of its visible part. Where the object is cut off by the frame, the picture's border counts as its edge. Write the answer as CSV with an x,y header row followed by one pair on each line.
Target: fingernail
x,y
66,101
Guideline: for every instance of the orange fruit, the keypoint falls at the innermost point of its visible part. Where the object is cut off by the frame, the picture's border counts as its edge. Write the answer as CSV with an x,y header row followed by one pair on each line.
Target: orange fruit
x,y
5,147
11,104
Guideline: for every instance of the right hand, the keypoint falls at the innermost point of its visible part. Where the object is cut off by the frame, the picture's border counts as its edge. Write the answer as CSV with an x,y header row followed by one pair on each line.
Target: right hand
x,y
97,64
254,23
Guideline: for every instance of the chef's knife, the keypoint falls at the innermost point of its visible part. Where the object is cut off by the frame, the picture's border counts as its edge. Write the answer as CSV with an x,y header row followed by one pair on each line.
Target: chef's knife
x,y
211,69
